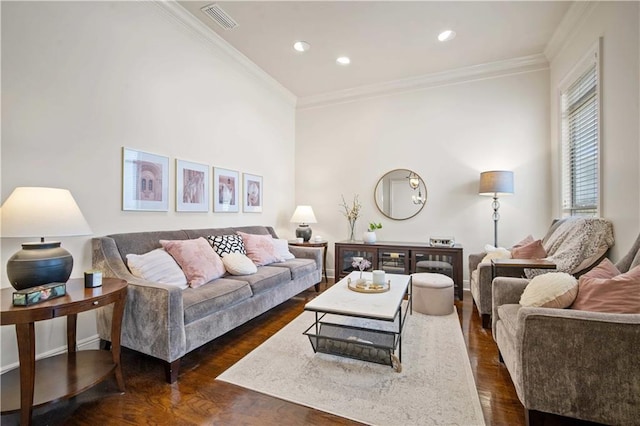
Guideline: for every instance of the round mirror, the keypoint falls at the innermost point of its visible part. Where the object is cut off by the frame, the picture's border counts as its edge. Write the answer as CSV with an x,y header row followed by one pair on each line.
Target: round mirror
x,y
400,194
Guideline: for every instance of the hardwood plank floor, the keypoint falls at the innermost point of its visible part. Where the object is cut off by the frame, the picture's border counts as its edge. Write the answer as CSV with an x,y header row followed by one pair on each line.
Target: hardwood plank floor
x,y
198,399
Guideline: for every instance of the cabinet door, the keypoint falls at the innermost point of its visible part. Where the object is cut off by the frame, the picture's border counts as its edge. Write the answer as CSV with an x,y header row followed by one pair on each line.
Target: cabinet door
x,y
346,255
435,262
393,261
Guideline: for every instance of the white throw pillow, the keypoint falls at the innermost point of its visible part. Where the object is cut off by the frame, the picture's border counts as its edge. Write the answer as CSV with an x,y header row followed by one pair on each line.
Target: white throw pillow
x,y
496,253
238,264
550,290
282,248
157,266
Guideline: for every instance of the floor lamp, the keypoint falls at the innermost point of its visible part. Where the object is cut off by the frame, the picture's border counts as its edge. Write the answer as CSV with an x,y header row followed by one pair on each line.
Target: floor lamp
x,y
495,183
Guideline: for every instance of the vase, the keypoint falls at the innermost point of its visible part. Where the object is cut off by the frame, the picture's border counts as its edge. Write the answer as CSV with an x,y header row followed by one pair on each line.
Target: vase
x,y
352,228
369,237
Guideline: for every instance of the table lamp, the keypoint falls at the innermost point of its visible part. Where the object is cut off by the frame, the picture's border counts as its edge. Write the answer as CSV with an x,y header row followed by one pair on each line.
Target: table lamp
x,y
495,183
303,216
41,212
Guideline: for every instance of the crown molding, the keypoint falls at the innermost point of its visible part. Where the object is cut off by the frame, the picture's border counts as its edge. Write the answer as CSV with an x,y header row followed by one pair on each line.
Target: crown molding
x,y
572,20
185,19
459,75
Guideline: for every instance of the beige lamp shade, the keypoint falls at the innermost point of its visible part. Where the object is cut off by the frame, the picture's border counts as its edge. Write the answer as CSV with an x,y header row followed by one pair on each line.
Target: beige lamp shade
x,y
303,214
496,182
42,212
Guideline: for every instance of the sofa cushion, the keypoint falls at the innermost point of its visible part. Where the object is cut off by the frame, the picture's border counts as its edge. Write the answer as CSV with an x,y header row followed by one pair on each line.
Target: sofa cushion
x,y
282,248
496,253
203,301
197,259
551,290
620,294
508,314
298,267
157,266
532,250
266,278
604,269
260,248
143,242
238,264
223,244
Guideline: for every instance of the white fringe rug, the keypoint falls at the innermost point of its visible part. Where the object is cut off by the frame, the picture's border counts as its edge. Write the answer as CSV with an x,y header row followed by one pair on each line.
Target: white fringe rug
x,y
435,386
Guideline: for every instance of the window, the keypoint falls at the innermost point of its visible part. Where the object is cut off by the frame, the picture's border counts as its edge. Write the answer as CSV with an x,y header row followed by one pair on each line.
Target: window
x,y
580,144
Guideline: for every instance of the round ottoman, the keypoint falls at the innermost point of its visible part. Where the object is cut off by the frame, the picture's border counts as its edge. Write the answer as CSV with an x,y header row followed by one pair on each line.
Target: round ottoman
x,y
432,293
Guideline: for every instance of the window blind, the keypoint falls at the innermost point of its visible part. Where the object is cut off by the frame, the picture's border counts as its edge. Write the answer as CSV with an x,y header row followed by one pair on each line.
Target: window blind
x,y
580,146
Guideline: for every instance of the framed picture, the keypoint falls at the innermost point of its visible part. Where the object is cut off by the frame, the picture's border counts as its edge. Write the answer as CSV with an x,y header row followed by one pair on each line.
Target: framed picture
x,y
192,187
145,181
226,190
253,192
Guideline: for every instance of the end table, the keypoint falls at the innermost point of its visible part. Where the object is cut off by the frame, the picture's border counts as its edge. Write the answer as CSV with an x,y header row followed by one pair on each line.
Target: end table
x,y
65,375
325,245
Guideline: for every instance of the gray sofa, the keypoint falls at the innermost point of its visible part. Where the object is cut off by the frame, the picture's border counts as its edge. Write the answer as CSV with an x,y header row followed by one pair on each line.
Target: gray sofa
x,y
166,322
567,362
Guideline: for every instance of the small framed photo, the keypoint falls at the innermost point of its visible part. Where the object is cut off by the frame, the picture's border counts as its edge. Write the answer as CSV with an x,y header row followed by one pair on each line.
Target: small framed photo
x,y
226,190
145,181
192,187
253,193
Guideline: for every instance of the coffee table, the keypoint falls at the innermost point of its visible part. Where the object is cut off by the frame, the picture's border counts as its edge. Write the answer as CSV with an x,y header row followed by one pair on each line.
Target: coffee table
x,y
365,326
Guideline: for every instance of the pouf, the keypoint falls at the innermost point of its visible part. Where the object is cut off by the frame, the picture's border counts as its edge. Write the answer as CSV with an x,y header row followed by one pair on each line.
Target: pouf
x,y
432,293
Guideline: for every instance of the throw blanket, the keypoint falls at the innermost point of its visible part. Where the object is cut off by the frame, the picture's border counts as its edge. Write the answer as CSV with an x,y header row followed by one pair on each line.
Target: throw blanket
x,y
575,241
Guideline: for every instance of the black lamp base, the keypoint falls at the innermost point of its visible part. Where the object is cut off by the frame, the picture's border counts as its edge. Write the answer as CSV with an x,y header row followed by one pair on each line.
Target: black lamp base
x,y
304,232
39,263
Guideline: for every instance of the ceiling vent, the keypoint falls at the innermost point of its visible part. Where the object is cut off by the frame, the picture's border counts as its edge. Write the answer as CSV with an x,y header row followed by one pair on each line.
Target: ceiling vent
x,y
216,13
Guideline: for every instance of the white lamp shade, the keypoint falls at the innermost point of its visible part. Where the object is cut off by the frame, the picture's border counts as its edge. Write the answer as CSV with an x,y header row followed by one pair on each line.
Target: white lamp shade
x,y
303,214
42,212
496,182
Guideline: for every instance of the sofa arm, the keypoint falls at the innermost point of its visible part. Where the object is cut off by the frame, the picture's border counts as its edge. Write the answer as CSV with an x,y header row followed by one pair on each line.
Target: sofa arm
x,y
475,259
314,253
153,321
505,291
580,364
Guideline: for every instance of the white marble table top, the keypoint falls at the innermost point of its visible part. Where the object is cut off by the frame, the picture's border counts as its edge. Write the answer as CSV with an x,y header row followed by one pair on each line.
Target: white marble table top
x,y
338,299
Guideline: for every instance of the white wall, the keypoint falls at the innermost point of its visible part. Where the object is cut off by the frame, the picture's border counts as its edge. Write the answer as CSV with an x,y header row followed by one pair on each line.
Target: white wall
x,y
80,80
617,24
448,135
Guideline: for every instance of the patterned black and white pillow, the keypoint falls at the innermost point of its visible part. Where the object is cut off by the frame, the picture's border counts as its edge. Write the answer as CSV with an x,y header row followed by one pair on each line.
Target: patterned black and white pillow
x,y
223,244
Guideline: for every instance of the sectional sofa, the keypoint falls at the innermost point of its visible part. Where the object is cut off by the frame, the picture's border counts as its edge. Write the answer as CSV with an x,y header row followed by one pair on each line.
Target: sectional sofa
x,y
167,322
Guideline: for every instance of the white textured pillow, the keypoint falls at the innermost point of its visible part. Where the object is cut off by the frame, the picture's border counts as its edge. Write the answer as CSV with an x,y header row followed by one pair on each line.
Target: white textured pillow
x,y
496,253
238,264
282,248
157,266
550,290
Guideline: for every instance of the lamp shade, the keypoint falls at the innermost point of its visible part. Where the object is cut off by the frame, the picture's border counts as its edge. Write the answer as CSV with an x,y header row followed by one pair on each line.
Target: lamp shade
x,y
303,214
42,212
496,182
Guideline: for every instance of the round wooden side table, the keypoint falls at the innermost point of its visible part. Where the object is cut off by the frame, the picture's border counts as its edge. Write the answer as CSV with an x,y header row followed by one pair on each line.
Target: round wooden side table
x,y
64,375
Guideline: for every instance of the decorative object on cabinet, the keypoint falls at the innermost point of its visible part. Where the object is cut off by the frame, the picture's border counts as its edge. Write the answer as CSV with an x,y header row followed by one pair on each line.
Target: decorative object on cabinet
x,y
494,184
145,181
41,212
400,194
352,213
303,215
253,193
192,187
226,190
401,258
369,236
442,241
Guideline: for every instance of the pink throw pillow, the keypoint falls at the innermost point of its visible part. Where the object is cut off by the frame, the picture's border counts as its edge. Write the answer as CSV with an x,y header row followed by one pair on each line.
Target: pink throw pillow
x,y
526,240
532,250
260,249
604,269
197,259
620,294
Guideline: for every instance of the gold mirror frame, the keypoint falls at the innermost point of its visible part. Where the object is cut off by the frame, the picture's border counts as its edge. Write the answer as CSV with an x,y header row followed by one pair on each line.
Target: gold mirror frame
x,y
400,194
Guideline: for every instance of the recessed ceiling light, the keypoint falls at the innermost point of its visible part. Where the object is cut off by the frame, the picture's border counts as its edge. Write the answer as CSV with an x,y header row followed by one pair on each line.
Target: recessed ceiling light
x,y
447,35
301,46
343,60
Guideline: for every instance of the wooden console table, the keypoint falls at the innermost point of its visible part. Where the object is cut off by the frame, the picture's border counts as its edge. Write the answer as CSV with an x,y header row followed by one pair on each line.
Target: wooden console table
x,y
402,258
35,383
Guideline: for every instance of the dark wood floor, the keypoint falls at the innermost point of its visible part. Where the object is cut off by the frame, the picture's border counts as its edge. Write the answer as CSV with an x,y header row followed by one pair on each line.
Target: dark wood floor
x,y
198,399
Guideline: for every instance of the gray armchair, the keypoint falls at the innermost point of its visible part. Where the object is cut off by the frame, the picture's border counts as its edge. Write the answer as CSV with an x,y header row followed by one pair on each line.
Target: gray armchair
x,y
559,243
572,363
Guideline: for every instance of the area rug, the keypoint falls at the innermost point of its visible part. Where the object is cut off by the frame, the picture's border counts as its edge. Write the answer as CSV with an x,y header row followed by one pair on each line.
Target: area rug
x,y
434,387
